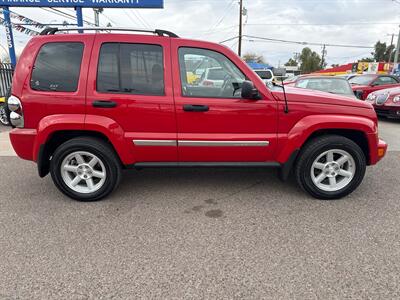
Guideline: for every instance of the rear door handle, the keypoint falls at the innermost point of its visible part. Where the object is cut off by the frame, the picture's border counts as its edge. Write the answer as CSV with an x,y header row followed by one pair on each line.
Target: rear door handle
x,y
104,104
195,107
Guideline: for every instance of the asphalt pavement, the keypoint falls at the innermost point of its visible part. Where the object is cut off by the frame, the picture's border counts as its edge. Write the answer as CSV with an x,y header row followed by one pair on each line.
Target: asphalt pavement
x,y
201,233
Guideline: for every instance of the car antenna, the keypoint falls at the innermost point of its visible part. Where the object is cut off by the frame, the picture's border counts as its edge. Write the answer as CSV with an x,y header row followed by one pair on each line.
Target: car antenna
x,y
286,109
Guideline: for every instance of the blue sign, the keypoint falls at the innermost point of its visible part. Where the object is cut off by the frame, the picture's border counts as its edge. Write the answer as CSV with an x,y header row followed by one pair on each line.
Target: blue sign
x,y
86,3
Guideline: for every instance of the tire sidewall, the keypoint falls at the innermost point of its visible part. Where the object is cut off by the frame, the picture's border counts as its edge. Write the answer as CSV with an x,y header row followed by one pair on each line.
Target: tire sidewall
x,y
55,170
360,166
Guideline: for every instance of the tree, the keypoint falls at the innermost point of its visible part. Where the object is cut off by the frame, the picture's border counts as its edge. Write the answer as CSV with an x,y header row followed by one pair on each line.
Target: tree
x,y
310,61
253,57
381,52
291,63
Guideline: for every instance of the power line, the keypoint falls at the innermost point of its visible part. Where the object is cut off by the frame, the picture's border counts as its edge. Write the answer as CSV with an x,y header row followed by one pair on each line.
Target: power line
x,y
306,43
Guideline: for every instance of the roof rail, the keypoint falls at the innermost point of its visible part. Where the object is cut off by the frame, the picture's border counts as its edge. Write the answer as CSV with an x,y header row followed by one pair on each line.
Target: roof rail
x,y
159,32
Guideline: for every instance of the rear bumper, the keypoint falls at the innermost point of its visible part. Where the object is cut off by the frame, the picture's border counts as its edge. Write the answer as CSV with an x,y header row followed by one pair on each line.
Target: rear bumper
x,y
23,142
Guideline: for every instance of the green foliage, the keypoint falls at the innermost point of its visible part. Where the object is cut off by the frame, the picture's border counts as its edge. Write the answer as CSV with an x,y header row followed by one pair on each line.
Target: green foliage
x,y
253,57
310,61
291,63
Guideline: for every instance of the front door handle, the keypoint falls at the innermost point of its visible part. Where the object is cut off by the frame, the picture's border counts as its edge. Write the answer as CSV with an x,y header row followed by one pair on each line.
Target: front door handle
x,y
195,107
104,104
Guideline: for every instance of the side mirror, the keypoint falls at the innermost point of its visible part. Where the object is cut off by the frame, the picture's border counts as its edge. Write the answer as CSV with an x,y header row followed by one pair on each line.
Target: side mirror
x,y
249,91
374,84
358,94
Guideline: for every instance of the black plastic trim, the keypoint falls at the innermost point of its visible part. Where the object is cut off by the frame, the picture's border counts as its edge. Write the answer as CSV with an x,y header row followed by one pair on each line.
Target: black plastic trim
x,y
288,165
43,163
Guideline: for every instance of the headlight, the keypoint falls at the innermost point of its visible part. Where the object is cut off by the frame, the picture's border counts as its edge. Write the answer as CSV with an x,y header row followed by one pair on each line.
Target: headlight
x,y
371,97
396,99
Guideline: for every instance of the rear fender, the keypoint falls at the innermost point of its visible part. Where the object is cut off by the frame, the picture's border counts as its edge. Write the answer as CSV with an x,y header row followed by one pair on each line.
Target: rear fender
x,y
106,126
303,129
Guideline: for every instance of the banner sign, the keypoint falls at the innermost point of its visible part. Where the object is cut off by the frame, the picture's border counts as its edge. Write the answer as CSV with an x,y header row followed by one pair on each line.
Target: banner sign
x,y
85,3
19,28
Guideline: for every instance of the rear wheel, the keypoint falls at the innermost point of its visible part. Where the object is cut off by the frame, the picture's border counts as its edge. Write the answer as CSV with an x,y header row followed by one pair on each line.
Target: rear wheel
x,y
85,169
330,167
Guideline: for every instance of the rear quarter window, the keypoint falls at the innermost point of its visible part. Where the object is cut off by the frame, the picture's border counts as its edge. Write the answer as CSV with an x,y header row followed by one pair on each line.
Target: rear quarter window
x,y
57,67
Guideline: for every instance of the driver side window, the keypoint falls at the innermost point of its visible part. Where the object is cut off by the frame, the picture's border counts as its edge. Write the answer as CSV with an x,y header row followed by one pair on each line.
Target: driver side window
x,y
208,74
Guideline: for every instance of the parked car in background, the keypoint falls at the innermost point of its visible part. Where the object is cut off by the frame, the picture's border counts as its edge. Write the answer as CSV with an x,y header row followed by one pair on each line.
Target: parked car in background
x,y
213,77
386,102
3,112
329,84
347,76
363,85
266,75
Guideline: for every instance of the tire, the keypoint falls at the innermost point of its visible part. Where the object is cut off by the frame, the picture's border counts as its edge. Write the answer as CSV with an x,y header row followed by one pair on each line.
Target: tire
x,y
78,175
321,159
4,115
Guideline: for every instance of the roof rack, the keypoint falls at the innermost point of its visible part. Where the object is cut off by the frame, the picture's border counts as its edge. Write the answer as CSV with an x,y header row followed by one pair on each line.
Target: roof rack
x,y
159,32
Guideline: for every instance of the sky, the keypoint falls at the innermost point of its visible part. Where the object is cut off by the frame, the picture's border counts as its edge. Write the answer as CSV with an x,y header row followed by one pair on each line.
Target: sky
x,y
349,22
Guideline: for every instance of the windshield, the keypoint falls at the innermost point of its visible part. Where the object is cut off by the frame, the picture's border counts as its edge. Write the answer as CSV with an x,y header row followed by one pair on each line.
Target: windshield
x,y
264,74
361,80
330,85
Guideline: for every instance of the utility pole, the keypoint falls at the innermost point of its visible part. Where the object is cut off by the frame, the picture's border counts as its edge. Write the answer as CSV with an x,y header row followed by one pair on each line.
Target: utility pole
x,y
396,56
391,52
97,12
240,27
323,56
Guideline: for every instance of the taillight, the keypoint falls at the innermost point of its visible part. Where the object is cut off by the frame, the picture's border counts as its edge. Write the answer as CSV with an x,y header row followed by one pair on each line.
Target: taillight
x,y
208,83
16,115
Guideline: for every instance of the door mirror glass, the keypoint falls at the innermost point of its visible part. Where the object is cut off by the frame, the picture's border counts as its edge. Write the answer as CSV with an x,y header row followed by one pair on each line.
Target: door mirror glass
x,y
249,91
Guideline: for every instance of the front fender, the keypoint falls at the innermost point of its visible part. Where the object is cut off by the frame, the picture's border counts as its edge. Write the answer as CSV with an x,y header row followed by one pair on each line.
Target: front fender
x,y
298,135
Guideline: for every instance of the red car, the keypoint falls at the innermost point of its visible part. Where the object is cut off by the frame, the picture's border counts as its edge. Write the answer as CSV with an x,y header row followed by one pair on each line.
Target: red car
x,y
363,85
386,102
86,106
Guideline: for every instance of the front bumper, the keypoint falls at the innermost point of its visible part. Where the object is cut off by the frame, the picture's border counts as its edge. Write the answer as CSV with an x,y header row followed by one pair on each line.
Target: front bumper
x,y
388,111
382,148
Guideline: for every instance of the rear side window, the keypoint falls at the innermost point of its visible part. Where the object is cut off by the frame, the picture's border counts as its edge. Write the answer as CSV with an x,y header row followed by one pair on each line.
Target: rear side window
x,y
131,69
57,67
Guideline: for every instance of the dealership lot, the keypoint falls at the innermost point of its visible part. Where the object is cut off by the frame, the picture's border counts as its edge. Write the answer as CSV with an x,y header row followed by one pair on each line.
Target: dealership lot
x,y
197,233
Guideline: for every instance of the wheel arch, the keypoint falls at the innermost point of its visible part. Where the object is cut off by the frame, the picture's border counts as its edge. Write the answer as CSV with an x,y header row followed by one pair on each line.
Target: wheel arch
x,y
361,130
57,138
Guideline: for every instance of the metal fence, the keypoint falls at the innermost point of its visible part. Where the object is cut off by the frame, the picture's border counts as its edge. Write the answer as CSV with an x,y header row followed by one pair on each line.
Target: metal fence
x,y
6,73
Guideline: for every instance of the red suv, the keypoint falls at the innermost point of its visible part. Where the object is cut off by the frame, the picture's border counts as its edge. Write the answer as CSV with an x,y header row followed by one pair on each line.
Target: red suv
x,y
86,106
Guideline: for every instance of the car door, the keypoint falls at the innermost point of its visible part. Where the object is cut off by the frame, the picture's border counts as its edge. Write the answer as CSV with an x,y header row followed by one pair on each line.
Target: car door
x,y
214,123
130,84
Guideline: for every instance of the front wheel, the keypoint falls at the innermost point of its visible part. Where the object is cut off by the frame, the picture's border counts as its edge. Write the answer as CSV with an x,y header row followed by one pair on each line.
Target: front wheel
x,y
330,167
85,169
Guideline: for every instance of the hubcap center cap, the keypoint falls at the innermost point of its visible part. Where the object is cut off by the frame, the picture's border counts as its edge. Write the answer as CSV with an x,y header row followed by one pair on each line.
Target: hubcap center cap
x,y
85,171
331,169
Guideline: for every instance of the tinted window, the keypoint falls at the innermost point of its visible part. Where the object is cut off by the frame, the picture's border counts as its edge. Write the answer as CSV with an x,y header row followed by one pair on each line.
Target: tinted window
x,y
131,68
362,80
385,80
206,73
264,74
57,67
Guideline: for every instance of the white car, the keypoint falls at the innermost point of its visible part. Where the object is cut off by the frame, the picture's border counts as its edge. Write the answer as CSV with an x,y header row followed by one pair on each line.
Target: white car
x,y
266,75
213,77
